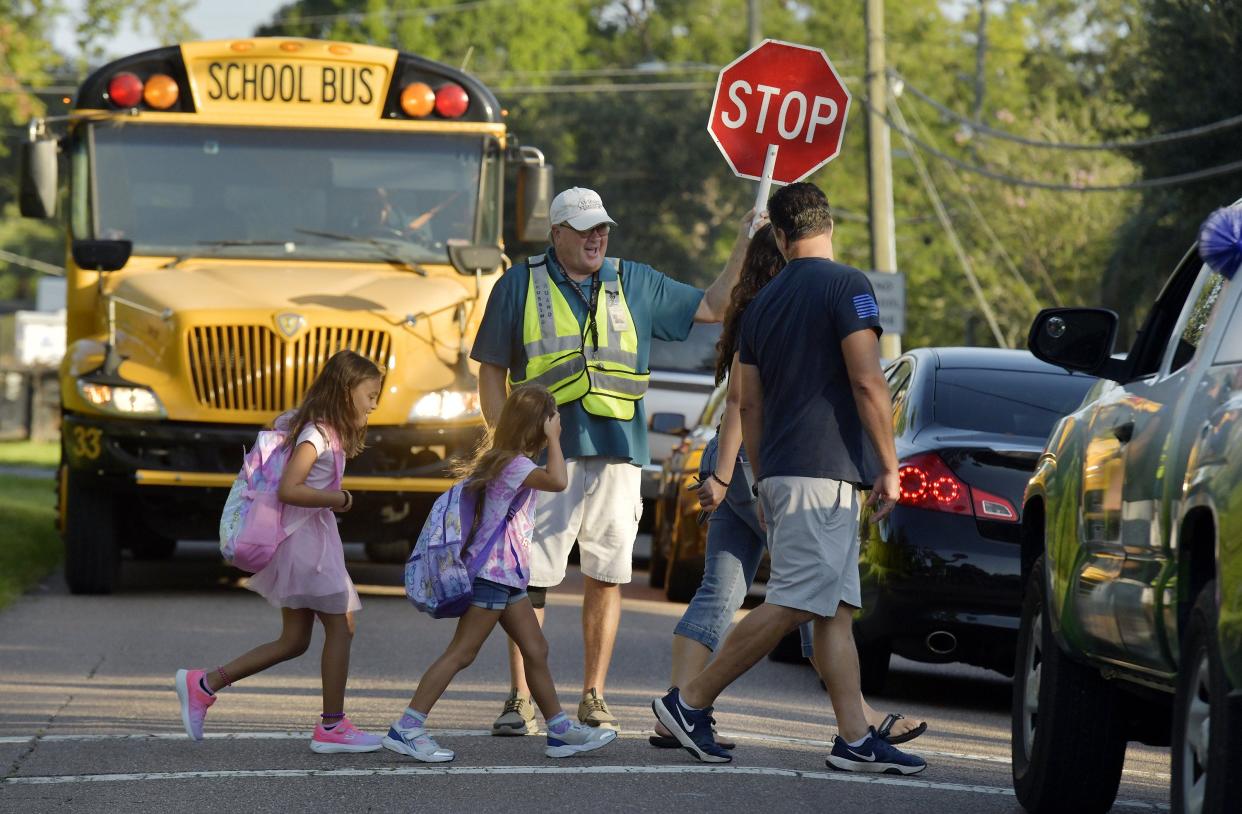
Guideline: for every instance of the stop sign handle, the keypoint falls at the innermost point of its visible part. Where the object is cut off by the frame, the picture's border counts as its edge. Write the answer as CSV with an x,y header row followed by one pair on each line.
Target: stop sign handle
x,y
765,186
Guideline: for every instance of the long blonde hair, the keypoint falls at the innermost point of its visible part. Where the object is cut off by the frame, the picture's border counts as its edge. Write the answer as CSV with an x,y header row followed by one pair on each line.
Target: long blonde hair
x,y
518,431
329,401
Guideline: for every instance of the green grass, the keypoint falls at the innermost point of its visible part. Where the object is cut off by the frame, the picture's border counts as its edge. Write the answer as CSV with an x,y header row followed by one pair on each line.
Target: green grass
x,y
29,453
29,546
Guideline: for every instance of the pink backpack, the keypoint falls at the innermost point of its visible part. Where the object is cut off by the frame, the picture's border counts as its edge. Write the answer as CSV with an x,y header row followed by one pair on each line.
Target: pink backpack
x,y
253,523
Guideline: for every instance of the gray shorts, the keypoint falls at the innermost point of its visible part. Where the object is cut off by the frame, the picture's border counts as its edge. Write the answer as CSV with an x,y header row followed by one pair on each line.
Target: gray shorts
x,y
813,542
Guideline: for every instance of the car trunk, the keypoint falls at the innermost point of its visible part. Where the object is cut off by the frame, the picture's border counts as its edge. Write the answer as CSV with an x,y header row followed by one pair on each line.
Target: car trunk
x,y
998,464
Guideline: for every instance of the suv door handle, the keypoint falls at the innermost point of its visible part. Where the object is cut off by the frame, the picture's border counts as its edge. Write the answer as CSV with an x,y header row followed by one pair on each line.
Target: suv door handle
x,y
1124,432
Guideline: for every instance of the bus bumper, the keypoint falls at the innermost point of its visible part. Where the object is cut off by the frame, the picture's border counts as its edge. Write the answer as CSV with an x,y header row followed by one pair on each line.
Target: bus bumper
x,y
176,475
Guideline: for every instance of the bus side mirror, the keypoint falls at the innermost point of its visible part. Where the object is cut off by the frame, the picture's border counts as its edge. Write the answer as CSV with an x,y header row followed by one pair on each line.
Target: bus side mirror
x,y
473,260
101,255
534,196
37,193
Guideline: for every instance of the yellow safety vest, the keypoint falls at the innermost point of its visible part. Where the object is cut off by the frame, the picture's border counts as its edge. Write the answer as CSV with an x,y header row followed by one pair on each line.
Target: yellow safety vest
x,y
563,356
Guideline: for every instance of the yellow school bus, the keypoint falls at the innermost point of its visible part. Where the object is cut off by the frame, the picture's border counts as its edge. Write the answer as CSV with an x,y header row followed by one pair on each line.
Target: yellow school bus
x,y
237,211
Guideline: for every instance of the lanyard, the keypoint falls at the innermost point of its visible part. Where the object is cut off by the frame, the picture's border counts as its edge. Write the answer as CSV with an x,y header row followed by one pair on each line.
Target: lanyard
x,y
592,303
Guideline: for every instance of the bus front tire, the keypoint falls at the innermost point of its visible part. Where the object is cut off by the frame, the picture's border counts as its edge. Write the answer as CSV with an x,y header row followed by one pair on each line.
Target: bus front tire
x,y
92,559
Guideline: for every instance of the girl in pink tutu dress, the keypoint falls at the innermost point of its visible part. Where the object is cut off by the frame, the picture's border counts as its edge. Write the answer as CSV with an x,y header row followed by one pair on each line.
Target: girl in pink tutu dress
x,y
306,578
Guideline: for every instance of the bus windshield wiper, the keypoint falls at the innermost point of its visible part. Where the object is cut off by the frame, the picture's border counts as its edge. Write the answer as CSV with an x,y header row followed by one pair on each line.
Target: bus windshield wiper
x,y
387,250
206,246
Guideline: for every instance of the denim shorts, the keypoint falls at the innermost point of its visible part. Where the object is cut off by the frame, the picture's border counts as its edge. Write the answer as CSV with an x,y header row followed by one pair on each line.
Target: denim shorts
x,y
734,551
490,595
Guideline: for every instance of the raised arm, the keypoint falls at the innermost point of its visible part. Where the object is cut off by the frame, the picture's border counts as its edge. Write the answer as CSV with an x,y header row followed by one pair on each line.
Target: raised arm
x,y
875,408
553,476
716,298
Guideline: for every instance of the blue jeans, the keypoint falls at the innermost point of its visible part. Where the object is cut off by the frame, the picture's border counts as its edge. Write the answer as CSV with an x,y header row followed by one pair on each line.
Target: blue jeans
x,y
734,550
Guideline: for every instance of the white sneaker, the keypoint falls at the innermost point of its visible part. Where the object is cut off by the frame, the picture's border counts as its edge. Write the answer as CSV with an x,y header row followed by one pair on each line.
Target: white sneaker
x,y
417,744
578,738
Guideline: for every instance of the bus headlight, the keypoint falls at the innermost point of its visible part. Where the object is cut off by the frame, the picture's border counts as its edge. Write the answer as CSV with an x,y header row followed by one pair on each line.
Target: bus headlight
x,y
120,399
446,405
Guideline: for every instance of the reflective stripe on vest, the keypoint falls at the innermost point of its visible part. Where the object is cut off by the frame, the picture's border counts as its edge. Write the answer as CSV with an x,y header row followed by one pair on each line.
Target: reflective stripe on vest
x,y
558,357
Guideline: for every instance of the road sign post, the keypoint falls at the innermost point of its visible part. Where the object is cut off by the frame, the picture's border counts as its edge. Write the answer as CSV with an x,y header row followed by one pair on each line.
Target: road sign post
x,y
765,184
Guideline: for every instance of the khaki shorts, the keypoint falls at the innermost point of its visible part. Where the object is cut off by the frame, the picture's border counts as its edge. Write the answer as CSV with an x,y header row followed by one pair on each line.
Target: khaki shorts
x,y
813,541
599,509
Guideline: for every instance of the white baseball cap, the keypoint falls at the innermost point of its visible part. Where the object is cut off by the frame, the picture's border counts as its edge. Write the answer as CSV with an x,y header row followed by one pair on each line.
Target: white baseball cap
x,y
580,208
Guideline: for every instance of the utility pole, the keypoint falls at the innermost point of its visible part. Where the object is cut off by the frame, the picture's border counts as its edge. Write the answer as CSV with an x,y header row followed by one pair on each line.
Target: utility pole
x,y
879,162
753,24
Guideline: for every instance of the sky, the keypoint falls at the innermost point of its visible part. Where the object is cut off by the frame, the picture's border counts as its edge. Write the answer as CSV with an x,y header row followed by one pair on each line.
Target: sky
x,y
211,19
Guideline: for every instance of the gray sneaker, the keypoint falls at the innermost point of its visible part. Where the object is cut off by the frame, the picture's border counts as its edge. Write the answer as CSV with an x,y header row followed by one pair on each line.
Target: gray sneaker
x,y
518,717
578,739
593,711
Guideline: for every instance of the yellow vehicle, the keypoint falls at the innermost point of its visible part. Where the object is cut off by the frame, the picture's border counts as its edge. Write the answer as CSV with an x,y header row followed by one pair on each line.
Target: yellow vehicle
x,y
237,212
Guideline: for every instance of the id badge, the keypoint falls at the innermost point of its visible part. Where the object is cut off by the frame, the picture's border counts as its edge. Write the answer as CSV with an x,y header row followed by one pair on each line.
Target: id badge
x,y
616,314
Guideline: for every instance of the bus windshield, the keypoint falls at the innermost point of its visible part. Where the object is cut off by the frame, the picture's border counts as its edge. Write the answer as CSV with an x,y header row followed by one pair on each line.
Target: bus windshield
x,y
193,191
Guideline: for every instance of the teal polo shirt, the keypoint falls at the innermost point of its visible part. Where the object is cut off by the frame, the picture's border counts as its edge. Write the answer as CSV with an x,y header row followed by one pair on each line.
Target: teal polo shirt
x,y
661,308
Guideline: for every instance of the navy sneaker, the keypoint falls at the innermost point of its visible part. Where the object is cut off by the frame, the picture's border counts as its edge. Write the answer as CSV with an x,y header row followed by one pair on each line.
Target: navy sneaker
x,y
874,755
691,728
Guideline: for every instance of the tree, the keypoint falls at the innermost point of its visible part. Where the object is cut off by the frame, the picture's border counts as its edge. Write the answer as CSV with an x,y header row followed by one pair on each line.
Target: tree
x,y
1181,73
28,63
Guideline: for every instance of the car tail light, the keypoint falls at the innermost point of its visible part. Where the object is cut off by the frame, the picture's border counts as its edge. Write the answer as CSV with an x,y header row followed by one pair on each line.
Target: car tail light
x,y
926,482
993,507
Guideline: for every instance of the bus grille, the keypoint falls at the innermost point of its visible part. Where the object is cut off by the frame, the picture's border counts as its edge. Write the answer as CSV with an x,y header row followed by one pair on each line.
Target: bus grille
x,y
250,367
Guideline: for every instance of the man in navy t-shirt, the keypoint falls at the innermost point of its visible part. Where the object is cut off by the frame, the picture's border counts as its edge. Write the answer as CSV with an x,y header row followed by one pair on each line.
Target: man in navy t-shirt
x,y
817,415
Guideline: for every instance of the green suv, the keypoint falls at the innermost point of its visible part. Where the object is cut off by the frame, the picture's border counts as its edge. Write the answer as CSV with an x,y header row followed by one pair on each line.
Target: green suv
x,y
1132,549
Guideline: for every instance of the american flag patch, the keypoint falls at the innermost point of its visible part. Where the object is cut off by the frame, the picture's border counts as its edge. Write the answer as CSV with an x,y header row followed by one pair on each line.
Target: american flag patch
x,y
865,306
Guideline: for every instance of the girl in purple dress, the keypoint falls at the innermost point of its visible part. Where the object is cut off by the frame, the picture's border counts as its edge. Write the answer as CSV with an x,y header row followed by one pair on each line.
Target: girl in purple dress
x,y
505,476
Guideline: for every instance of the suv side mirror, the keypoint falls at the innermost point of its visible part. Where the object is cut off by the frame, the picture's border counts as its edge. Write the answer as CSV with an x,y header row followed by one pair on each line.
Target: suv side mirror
x,y
1077,339
39,183
668,423
468,259
534,196
101,255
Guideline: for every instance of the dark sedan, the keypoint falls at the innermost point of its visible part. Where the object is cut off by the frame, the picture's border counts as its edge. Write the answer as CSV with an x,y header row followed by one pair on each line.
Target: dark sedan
x,y
941,574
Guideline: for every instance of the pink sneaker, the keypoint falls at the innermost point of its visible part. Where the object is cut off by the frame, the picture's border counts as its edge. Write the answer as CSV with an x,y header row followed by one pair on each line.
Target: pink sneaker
x,y
194,701
344,737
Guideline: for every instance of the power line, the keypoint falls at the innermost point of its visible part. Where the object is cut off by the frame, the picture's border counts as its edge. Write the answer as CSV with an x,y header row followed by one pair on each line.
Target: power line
x,y
629,87
983,129
987,227
392,14
938,205
986,172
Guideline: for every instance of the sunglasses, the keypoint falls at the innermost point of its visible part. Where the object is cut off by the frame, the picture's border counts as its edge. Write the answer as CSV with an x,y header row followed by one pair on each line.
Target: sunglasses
x,y
601,229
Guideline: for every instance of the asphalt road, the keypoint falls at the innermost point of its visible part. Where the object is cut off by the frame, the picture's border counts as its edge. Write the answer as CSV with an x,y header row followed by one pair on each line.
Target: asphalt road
x,y
89,719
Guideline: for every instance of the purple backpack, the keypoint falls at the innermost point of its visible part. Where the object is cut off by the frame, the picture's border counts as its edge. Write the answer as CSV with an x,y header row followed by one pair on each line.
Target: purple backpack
x,y
253,523
439,575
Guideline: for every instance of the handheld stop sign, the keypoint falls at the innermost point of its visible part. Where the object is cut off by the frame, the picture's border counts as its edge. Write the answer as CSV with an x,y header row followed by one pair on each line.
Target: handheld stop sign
x,y
778,114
